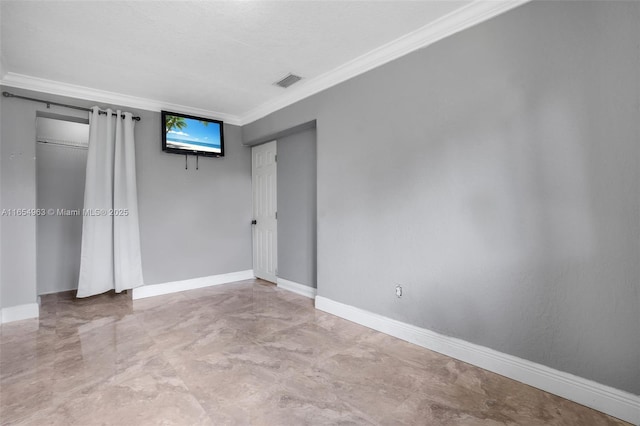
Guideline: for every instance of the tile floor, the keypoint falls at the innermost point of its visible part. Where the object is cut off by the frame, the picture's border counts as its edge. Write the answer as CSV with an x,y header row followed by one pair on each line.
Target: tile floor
x,y
246,353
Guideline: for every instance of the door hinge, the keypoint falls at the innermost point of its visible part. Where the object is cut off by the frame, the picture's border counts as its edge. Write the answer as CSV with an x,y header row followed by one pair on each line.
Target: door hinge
x,y
276,158
276,215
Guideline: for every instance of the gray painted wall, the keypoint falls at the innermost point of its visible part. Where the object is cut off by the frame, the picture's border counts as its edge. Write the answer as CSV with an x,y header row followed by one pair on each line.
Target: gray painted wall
x,y
18,189
1,204
297,207
193,223
495,175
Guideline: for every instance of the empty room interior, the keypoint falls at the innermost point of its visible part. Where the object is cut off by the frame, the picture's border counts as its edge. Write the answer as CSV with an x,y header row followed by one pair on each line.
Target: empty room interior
x,y
320,212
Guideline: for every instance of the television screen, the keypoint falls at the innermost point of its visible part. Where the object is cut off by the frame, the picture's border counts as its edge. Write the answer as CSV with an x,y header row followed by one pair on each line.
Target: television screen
x,y
185,134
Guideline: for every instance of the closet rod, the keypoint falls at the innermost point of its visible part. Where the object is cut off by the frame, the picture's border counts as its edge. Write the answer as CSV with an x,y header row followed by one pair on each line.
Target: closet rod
x,y
11,95
64,145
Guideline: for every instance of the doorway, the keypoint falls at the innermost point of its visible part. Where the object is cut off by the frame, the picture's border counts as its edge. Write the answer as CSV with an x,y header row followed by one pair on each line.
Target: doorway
x,y
265,215
61,161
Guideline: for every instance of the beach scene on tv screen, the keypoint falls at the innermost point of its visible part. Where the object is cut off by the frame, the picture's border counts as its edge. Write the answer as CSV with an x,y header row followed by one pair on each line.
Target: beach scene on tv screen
x,y
192,134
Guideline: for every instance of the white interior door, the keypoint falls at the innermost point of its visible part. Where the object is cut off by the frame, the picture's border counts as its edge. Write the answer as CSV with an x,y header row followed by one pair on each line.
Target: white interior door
x,y
265,225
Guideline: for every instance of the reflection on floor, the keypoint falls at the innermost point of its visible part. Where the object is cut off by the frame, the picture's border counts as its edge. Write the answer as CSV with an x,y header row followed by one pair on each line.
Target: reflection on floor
x,y
246,353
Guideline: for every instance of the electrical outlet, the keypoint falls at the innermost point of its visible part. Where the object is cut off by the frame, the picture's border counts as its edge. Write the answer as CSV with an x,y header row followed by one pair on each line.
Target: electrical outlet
x,y
398,290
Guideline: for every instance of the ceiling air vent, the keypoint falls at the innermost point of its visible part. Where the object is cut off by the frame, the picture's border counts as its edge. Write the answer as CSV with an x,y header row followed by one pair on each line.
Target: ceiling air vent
x,y
288,80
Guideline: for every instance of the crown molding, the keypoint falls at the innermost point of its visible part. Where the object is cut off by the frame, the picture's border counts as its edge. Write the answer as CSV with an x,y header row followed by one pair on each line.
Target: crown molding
x,y
22,81
454,22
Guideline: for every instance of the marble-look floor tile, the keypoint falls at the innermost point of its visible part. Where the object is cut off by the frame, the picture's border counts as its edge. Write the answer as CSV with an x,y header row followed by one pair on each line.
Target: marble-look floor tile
x,y
150,393
246,353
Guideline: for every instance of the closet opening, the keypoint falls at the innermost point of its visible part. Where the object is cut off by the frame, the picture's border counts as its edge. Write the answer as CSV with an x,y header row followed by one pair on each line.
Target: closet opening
x,y
61,160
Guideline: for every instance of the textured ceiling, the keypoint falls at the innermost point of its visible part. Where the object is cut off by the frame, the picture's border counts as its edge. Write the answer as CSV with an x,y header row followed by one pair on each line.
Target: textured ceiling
x,y
218,56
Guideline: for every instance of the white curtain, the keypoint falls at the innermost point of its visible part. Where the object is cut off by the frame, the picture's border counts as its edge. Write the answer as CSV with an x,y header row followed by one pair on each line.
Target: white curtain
x,y
110,256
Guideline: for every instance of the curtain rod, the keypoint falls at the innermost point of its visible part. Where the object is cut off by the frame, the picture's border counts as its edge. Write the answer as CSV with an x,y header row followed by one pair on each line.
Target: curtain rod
x,y
11,95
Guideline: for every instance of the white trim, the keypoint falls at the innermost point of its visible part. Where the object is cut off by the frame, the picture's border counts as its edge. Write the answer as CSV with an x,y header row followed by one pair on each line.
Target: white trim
x,y
20,312
617,403
58,291
454,22
191,284
301,289
27,82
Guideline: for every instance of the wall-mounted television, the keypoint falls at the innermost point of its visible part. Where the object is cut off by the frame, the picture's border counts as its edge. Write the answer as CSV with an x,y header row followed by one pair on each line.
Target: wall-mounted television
x,y
189,135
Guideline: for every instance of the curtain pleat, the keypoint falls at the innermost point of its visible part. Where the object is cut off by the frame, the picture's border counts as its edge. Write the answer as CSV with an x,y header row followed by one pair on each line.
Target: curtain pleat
x,y
110,253
126,233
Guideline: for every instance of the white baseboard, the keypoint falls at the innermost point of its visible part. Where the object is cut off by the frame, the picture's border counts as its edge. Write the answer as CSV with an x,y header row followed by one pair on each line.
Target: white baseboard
x,y
301,289
191,284
20,312
617,403
58,291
